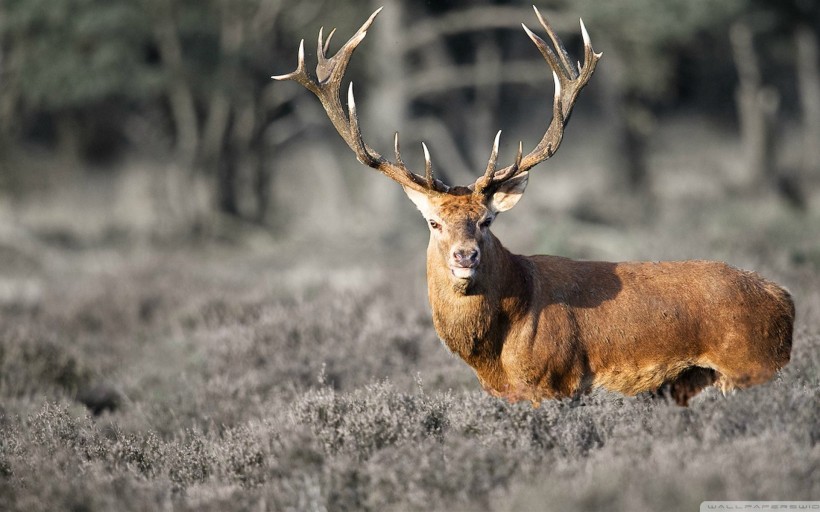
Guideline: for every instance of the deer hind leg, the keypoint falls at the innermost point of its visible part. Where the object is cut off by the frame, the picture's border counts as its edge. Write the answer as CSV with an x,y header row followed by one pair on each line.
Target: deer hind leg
x,y
689,383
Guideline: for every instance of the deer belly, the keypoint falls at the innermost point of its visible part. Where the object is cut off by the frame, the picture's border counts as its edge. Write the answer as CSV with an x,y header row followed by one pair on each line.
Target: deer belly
x,y
631,379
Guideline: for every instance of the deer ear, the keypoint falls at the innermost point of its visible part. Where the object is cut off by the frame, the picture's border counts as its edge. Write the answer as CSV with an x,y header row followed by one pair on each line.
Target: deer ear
x,y
421,200
509,193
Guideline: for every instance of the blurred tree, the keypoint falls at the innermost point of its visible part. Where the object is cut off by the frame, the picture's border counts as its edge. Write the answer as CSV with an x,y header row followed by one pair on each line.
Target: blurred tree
x,y
218,56
647,39
787,33
808,80
199,46
194,76
757,106
67,63
75,71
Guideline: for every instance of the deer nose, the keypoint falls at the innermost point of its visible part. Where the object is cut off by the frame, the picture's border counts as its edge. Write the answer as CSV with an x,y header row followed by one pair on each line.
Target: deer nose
x,y
466,258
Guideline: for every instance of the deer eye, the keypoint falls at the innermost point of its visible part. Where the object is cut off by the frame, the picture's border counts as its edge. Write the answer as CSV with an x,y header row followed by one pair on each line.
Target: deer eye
x,y
434,224
485,223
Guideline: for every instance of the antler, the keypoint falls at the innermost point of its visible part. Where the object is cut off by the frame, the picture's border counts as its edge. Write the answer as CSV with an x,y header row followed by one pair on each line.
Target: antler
x,y
568,83
329,73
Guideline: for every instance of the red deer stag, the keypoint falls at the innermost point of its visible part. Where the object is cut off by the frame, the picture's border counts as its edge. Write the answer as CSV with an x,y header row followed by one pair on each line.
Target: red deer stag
x,y
536,327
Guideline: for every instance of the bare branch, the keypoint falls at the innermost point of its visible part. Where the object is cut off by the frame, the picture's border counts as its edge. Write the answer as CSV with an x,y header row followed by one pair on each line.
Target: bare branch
x,y
474,19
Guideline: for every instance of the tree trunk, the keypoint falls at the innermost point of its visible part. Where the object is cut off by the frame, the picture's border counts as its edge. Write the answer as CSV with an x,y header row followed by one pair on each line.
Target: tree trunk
x,y
222,146
68,140
635,127
757,108
485,122
215,158
808,88
180,95
244,133
261,184
631,122
9,92
387,109
189,199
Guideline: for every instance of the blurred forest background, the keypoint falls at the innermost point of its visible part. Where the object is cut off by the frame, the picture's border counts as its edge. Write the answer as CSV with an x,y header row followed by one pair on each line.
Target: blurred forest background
x,y
158,119
207,303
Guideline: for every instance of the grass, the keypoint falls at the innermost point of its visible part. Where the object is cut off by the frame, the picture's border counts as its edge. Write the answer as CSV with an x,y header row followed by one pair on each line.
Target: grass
x,y
307,376
241,381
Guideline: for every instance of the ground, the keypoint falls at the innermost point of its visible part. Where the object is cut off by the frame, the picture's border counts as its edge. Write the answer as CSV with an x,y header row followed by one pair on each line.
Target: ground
x,y
274,372
239,378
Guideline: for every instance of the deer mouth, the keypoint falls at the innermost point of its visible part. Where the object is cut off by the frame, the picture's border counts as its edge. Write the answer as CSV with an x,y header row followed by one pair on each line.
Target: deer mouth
x,y
463,272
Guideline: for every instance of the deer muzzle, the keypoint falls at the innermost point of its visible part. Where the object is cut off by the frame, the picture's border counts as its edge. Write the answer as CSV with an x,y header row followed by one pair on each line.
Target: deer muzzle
x,y
464,262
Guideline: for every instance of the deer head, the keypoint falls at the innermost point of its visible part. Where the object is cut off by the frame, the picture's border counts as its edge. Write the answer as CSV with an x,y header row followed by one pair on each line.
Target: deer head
x,y
459,222
459,217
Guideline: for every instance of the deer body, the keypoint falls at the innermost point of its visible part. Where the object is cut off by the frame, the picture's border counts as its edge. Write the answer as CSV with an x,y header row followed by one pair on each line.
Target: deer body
x,y
547,327
551,327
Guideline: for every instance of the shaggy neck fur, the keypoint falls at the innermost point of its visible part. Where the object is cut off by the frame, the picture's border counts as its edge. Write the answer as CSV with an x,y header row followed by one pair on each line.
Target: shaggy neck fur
x,y
473,317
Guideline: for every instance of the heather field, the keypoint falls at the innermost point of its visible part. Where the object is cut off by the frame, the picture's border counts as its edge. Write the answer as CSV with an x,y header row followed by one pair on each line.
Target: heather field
x,y
208,304
253,374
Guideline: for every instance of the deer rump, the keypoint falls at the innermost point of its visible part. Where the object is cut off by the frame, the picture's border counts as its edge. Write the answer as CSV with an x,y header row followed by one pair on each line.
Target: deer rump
x,y
669,327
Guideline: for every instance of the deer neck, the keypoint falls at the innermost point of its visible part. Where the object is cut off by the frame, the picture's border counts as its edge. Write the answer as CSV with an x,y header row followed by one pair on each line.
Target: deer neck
x,y
473,320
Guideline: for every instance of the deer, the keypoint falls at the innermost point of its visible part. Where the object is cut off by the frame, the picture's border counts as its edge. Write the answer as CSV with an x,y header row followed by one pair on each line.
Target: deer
x,y
548,327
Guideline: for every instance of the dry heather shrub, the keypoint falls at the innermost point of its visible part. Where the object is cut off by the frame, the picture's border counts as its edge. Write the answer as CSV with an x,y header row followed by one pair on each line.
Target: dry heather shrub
x,y
371,418
226,407
36,360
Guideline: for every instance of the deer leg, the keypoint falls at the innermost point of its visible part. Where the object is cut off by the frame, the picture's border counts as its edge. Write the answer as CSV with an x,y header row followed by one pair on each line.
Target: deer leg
x,y
691,382
686,385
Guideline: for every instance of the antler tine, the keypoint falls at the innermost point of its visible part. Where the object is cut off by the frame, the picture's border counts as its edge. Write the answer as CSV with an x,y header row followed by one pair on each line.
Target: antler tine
x,y
327,41
329,75
360,148
545,50
518,156
513,170
589,53
493,157
322,47
334,69
300,74
568,83
396,149
483,182
428,167
567,67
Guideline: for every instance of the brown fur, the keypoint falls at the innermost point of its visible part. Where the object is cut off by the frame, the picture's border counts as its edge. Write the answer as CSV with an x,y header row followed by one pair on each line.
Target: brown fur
x,y
548,327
